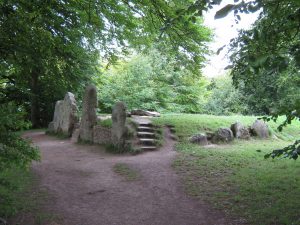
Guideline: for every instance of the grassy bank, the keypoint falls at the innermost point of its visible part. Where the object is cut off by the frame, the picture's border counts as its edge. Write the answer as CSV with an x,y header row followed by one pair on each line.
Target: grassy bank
x,y
15,184
21,201
235,177
188,124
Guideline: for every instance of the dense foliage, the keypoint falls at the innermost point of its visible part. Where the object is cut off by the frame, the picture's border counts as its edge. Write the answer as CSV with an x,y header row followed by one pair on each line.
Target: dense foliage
x,y
50,47
15,153
225,99
266,59
152,81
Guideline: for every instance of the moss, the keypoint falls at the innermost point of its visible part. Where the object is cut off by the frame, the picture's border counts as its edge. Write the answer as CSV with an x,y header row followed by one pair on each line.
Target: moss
x,y
105,123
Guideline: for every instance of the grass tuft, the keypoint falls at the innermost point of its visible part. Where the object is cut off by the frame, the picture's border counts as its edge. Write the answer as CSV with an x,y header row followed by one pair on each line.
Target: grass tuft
x,y
128,173
106,123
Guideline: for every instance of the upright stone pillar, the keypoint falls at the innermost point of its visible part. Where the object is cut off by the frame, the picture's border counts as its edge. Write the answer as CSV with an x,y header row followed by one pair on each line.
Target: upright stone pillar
x,y
89,116
65,116
119,129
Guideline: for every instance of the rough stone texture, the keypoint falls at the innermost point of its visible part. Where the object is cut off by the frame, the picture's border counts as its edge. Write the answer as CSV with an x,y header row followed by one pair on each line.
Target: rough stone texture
x,y
222,135
140,112
239,131
209,135
102,135
119,130
65,116
260,129
75,135
89,116
54,125
200,139
51,127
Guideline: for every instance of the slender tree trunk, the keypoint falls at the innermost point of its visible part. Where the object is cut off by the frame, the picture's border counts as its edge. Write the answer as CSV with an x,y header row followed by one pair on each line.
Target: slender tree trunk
x,y
34,101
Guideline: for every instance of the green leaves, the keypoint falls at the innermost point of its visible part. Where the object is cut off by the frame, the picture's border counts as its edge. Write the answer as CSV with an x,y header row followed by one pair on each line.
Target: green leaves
x,y
14,151
266,66
291,151
152,81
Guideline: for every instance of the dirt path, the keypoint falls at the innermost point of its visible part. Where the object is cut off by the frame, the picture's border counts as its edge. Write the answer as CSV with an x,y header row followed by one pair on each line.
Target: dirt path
x,y
87,192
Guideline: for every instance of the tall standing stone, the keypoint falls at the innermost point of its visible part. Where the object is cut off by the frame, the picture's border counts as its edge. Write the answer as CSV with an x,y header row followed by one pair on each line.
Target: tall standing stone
x,y
65,116
89,115
119,130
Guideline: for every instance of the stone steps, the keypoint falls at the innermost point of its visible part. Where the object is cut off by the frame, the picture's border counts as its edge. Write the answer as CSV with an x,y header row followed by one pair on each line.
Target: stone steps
x,y
148,148
146,134
147,141
145,129
145,124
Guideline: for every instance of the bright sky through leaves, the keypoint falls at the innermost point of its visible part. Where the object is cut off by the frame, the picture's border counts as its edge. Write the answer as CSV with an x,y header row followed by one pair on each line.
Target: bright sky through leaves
x,y
224,29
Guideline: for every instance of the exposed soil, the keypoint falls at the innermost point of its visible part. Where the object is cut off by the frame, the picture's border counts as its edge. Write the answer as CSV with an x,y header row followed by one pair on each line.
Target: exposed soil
x,y
86,191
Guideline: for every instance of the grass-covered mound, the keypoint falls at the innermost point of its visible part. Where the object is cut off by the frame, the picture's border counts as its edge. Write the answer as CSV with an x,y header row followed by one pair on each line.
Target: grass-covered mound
x,y
235,177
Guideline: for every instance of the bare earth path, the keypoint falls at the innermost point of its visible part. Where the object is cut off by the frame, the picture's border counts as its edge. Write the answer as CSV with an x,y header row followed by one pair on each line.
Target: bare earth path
x,y
88,192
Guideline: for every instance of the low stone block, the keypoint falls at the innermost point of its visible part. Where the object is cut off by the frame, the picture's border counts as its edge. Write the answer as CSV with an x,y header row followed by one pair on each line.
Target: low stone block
x,y
239,131
224,135
260,129
200,139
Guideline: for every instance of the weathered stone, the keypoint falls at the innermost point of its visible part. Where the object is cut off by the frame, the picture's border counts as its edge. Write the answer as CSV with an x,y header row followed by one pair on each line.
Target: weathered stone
x,y
89,115
119,130
200,139
55,124
51,127
239,131
65,116
75,135
222,135
260,129
140,112
102,135
209,135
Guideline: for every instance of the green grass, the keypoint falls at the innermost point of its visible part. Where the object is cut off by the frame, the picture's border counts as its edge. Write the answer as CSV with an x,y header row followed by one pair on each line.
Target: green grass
x,y
105,123
125,171
189,124
20,199
235,177
14,182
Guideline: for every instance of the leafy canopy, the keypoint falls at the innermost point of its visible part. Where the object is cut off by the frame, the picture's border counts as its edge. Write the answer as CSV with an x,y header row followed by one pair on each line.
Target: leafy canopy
x,y
50,47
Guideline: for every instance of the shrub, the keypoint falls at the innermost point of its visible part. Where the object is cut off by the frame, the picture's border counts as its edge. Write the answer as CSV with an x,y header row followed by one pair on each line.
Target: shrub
x,y
15,152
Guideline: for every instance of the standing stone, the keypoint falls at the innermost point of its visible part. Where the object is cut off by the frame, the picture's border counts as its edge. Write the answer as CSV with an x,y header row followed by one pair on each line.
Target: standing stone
x,y
222,135
239,131
119,130
65,116
89,115
260,129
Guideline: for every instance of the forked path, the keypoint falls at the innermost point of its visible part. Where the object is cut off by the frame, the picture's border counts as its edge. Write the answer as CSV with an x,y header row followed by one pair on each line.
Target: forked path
x,y
86,190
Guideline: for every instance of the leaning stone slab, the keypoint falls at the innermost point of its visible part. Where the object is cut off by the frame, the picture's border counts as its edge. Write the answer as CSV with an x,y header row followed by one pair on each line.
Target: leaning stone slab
x,y
260,129
240,131
89,115
200,139
223,135
140,112
65,116
119,130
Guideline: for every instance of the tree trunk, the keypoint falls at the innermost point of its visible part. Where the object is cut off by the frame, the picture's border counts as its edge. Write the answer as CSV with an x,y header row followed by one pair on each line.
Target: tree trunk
x,y
34,100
